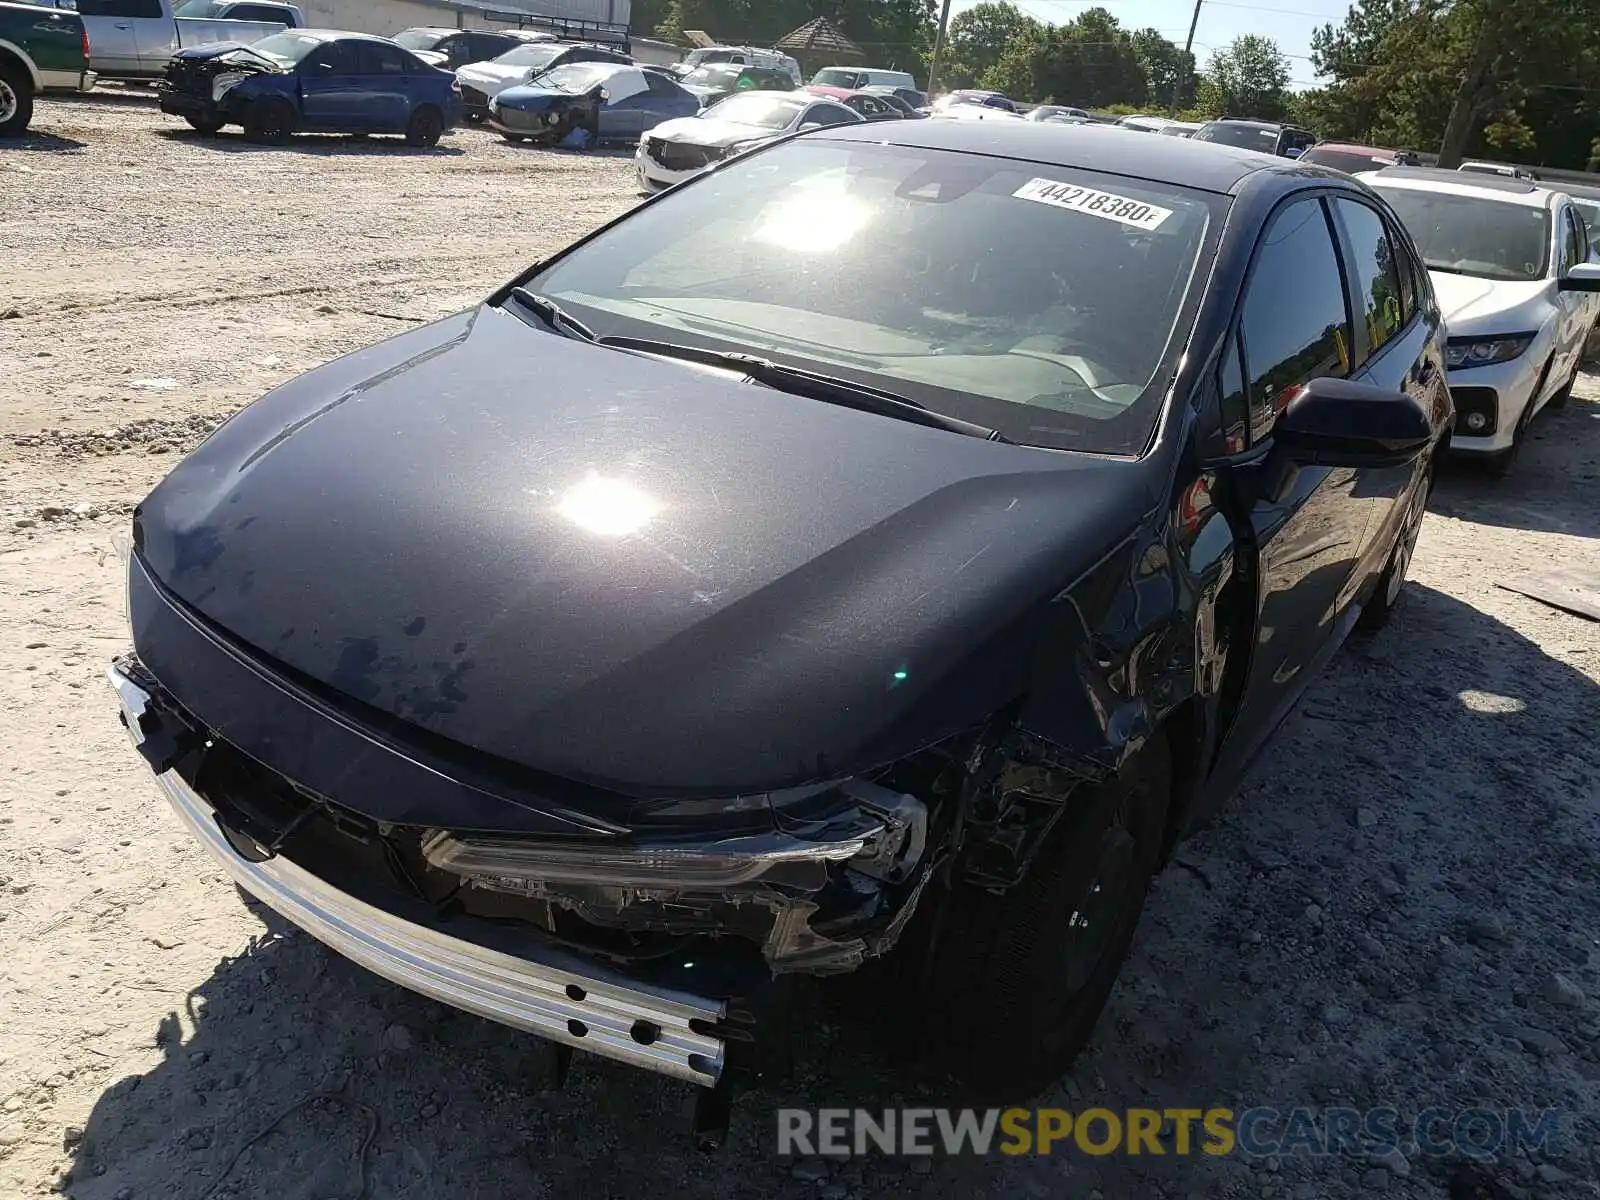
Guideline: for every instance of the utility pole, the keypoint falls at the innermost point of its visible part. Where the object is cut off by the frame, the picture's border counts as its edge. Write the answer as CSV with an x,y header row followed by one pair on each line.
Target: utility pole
x,y
938,46
1183,66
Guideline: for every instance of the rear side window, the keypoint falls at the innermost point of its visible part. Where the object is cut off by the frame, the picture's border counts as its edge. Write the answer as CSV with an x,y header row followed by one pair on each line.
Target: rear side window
x,y
259,12
1294,321
378,59
1377,273
826,114
334,58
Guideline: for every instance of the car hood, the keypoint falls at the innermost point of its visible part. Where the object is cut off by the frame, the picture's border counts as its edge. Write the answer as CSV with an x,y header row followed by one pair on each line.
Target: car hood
x,y
491,78
220,49
709,131
1472,304
627,571
432,57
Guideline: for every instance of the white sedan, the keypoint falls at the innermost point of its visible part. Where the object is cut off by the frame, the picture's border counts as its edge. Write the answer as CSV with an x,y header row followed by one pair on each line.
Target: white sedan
x,y
1511,265
681,148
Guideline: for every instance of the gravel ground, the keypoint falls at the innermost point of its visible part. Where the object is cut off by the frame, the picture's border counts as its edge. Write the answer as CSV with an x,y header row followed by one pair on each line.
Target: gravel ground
x,y
1400,909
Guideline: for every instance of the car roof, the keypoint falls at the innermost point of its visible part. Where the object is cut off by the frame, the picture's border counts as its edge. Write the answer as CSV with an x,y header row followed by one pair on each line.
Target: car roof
x,y
1578,191
1434,179
1356,147
1201,165
328,35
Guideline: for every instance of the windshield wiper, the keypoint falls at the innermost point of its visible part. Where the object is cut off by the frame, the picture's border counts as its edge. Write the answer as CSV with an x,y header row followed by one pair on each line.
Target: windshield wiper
x,y
830,389
1443,268
553,315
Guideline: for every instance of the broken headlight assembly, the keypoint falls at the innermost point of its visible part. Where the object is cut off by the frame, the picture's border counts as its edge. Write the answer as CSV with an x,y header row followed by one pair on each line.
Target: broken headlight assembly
x,y
817,893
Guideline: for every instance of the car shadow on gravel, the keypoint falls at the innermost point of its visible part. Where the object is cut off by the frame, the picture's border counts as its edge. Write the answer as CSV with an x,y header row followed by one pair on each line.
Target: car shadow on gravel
x,y
1562,444
1313,946
46,143
324,145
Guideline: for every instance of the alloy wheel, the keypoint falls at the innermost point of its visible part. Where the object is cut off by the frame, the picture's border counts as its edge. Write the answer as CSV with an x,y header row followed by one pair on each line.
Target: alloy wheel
x,y
8,101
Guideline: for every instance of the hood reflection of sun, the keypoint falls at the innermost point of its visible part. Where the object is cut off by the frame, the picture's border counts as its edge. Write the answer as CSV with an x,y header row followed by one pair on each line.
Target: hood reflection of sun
x,y
608,507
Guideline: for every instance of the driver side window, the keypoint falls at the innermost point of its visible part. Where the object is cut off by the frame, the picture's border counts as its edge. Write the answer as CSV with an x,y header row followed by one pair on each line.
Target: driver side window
x,y
336,58
1295,319
826,114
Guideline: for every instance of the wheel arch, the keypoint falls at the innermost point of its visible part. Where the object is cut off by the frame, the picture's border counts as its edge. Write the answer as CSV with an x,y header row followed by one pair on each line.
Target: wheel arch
x,y
11,53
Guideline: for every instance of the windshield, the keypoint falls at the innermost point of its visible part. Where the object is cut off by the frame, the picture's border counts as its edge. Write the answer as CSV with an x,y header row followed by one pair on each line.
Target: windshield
x,y
538,54
836,77
1036,300
764,109
713,77
422,39
1474,235
1246,137
578,77
286,49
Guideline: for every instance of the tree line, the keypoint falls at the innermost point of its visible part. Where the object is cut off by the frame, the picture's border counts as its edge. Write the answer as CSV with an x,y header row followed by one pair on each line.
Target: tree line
x,y
1513,79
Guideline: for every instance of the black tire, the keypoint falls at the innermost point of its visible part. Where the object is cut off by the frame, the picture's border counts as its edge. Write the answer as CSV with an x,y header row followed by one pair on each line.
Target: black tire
x,y
1559,400
473,118
205,126
426,127
1391,585
1009,1003
269,122
16,101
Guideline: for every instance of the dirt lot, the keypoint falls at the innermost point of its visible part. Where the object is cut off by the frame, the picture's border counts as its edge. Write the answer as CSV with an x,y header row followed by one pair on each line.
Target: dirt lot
x,y
1402,907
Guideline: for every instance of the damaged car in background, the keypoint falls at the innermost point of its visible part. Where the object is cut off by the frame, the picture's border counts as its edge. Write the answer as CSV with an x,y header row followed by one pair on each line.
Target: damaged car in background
x,y
311,81
605,101
886,544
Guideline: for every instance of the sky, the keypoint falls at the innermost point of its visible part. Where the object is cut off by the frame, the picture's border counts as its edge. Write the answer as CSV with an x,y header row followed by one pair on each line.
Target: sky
x,y
1287,22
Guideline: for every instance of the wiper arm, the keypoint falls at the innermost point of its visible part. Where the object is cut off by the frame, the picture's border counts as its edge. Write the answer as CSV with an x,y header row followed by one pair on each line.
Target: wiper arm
x,y
830,389
553,315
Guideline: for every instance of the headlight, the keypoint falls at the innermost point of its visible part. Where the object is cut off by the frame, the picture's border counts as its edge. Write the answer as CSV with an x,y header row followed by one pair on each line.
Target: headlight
x,y
1484,352
223,84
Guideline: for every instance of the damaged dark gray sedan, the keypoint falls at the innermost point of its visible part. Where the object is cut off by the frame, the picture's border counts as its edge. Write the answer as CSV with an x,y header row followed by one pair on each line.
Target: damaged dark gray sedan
x,y
888,543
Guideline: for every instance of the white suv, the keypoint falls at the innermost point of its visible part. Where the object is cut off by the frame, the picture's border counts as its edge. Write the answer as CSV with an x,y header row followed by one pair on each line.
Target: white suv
x,y
1512,267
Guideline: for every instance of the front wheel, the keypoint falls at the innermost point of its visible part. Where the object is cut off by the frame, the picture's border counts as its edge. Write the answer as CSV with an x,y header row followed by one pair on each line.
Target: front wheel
x,y
16,101
269,122
426,127
1386,598
205,126
1017,981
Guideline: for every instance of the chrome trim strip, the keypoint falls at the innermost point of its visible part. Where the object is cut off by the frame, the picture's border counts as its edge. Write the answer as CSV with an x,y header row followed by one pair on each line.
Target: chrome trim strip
x,y
552,995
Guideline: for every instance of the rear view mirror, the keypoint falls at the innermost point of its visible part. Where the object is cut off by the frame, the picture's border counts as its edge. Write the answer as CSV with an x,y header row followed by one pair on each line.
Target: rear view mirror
x,y
1337,423
1581,277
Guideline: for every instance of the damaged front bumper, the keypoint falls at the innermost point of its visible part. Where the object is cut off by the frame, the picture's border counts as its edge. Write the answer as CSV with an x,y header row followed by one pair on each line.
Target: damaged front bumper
x,y
815,895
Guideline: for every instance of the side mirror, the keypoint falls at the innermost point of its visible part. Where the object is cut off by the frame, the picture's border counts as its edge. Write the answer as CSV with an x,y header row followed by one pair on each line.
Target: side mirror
x,y
1581,277
1337,423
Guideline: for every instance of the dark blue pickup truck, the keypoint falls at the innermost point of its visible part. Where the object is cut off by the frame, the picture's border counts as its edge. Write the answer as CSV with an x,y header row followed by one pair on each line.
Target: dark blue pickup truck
x,y
312,80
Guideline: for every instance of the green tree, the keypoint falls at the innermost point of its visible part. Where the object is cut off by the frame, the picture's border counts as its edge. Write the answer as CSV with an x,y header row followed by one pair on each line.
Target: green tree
x,y
1089,61
979,37
1166,67
1249,78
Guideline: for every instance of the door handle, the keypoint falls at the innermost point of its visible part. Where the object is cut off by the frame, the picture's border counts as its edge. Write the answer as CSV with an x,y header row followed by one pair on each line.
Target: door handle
x,y
120,25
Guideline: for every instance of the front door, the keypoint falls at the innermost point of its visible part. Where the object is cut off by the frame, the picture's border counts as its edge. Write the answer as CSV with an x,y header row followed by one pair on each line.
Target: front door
x,y
333,89
1306,523
1396,341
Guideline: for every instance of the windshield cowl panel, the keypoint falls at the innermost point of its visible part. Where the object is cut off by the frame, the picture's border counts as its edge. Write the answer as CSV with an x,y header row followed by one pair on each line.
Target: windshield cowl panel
x,y
1043,302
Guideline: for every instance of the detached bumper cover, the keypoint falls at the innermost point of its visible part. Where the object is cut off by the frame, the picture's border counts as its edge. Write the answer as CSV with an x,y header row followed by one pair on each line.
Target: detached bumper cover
x,y
552,994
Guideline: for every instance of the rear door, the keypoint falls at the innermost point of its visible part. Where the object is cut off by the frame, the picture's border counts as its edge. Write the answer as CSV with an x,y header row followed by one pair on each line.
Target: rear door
x,y
113,28
1307,523
388,87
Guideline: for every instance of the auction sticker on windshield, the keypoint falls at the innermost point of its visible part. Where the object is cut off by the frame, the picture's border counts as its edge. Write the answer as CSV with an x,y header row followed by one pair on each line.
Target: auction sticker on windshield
x,y
1097,204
